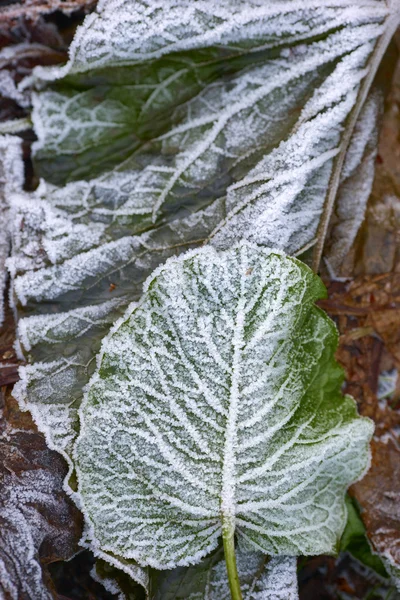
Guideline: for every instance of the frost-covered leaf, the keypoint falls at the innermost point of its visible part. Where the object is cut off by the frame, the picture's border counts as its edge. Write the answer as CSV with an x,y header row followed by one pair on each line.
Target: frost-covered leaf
x,y
11,179
356,184
387,383
38,523
230,117
217,403
379,496
62,347
175,123
394,571
260,578
144,83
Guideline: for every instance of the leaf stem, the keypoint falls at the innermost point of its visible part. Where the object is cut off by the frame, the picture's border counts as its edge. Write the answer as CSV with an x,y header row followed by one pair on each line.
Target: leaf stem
x,y
228,537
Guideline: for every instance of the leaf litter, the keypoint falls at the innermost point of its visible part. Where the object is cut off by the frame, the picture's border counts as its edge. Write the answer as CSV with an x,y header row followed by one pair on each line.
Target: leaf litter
x,y
39,523
367,311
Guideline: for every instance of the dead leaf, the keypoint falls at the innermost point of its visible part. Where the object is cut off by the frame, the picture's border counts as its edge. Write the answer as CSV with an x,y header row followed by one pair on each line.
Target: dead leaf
x,y
327,578
9,362
379,495
367,311
39,524
35,32
33,8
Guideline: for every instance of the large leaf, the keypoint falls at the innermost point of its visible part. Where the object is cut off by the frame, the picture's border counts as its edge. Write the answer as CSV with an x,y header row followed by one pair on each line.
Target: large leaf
x,y
232,119
174,124
260,578
266,136
216,408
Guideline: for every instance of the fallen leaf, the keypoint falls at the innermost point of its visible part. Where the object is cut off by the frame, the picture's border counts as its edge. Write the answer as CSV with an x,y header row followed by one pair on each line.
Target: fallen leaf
x,y
377,246
379,495
371,305
327,578
39,524
19,19
367,311
9,362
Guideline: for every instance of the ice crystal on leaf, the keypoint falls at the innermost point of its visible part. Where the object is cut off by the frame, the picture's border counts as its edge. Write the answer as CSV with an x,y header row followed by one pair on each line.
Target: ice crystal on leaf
x,y
38,522
11,179
356,183
174,124
218,397
260,579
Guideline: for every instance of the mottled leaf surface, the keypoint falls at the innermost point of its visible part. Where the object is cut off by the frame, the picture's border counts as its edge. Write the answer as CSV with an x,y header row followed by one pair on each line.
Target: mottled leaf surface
x,y
260,579
218,397
356,184
173,124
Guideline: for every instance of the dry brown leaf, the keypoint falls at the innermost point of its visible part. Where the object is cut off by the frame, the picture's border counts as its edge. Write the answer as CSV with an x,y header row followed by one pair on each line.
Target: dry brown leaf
x,y
9,362
379,495
367,311
38,522
324,578
34,9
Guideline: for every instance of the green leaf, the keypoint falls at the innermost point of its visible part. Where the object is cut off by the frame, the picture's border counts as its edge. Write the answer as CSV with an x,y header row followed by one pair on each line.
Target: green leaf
x,y
355,541
216,407
192,123
174,124
252,105
393,569
260,578
135,62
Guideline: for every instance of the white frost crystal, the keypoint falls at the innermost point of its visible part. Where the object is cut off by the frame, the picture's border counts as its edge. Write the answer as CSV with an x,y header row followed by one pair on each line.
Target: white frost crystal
x,y
247,155
219,394
11,179
261,578
178,123
356,183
